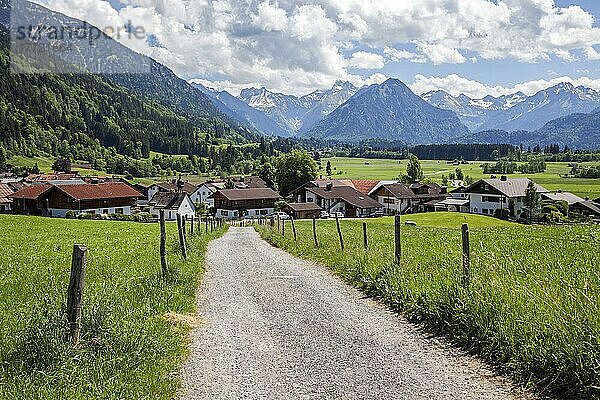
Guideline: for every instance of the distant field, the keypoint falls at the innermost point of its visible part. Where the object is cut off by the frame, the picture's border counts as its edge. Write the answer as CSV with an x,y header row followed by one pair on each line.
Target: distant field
x,y
532,307
128,350
360,168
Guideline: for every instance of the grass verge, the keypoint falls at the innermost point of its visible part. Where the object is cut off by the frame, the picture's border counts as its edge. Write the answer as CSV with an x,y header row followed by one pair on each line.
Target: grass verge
x,y
135,327
532,308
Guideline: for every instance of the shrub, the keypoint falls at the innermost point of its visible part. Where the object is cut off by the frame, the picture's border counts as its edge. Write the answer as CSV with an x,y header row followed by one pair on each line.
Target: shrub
x,y
502,213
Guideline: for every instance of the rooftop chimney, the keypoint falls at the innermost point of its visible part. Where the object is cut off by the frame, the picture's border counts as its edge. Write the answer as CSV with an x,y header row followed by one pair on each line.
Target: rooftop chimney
x,y
504,178
329,187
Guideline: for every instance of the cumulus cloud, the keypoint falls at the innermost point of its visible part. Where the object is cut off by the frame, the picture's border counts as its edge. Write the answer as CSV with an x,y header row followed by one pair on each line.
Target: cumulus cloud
x,y
364,60
296,48
456,84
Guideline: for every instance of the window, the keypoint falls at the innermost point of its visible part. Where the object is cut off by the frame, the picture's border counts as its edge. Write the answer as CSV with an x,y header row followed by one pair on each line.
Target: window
x,y
264,212
225,213
475,210
118,211
389,201
490,199
105,211
486,187
485,211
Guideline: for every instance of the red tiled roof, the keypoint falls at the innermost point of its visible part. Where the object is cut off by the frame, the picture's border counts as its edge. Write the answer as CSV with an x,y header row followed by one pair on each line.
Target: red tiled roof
x,y
31,192
112,190
365,186
5,191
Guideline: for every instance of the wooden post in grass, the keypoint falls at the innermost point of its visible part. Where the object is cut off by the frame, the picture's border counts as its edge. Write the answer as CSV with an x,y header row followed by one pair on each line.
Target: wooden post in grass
x,y
192,226
294,229
466,256
163,242
75,292
283,227
181,236
365,237
278,227
183,228
339,229
315,232
206,224
397,239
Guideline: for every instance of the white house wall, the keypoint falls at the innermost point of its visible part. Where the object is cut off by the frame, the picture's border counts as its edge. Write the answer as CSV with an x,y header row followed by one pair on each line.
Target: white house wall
x,y
250,213
61,213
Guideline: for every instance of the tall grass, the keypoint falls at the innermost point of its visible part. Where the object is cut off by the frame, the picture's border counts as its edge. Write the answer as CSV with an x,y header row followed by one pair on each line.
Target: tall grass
x,y
128,349
533,307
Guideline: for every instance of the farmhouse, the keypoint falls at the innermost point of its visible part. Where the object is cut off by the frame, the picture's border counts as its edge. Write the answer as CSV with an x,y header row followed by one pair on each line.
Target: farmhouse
x,y
172,204
5,202
51,178
57,200
174,186
303,210
587,208
488,195
345,199
204,192
570,198
402,198
239,203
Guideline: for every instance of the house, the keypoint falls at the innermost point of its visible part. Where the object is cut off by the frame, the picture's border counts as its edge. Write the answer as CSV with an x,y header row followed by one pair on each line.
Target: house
x,y
303,210
173,186
488,195
449,204
6,202
57,200
203,193
587,208
9,177
51,178
403,198
143,189
249,182
172,203
345,199
240,203
570,198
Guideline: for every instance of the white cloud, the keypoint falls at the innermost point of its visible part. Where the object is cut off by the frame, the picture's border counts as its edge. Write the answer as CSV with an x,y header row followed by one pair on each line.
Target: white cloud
x,y
440,54
297,48
364,60
456,84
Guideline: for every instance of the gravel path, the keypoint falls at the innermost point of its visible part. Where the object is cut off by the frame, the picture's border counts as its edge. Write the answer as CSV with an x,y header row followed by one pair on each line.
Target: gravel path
x,y
276,327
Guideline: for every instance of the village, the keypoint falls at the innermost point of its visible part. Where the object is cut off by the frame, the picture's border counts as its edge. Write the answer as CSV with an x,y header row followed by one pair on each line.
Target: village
x,y
69,195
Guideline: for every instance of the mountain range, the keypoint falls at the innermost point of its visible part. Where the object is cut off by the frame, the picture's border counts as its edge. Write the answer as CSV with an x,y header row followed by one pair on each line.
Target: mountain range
x,y
517,112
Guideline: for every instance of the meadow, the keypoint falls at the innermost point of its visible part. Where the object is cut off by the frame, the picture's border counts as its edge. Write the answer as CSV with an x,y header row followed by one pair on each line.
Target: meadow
x,y
532,308
361,168
131,348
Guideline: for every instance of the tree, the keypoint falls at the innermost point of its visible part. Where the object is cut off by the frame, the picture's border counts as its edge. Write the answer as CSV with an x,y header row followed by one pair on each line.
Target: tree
x,y
531,200
294,169
2,158
414,172
266,172
460,175
62,165
328,168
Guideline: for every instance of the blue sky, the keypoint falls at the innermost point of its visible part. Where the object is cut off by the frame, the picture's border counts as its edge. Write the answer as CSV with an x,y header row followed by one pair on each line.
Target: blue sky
x,y
477,47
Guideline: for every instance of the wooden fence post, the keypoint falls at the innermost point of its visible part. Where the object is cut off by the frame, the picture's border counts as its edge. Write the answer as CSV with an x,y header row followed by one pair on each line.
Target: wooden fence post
x,y
163,243
181,236
206,226
397,239
183,227
315,232
278,227
75,292
294,230
283,227
466,256
339,229
192,226
365,237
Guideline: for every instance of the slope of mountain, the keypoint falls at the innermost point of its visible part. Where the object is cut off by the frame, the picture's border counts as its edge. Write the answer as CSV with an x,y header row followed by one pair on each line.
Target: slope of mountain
x,y
389,111
578,131
517,111
123,66
298,114
238,110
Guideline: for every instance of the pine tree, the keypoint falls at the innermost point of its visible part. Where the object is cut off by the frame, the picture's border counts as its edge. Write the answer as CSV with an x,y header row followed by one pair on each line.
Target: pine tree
x,y
2,158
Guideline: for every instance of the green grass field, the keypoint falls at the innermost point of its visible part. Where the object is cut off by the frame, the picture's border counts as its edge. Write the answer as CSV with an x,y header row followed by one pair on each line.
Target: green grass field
x,y
532,307
360,168
128,350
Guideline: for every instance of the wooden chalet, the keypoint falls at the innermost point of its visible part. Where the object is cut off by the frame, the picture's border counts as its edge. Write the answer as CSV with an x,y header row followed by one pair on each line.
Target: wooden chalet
x,y
58,200
240,203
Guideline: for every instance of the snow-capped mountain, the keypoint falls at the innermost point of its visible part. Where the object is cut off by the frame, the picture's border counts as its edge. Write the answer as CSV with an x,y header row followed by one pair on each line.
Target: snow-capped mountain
x,y
242,112
517,111
298,114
